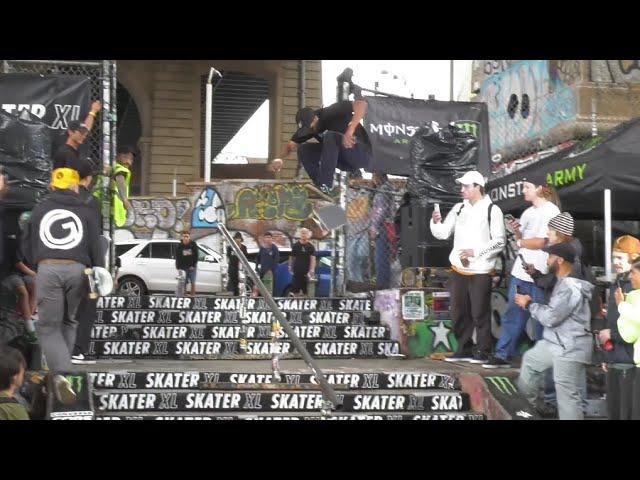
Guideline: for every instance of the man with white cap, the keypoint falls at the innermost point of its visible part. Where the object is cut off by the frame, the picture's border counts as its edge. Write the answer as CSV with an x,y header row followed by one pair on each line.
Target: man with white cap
x,y
478,232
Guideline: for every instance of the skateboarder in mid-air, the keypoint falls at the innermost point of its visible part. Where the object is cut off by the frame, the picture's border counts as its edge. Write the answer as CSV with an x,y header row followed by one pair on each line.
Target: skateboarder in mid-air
x,y
342,142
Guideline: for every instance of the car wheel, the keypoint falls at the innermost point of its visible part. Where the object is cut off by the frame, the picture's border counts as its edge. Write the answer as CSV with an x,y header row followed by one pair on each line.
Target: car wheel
x,y
131,287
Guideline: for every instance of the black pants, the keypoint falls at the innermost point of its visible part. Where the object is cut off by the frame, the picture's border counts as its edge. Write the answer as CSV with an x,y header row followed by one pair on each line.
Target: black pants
x,y
320,160
620,392
635,402
234,282
471,308
299,283
86,316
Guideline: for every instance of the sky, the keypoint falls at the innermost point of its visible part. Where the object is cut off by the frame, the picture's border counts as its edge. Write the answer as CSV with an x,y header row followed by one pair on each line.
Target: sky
x,y
402,77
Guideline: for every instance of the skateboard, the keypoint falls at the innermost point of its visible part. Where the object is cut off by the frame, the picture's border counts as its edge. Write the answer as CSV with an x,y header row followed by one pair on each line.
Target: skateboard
x,y
331,216
100,282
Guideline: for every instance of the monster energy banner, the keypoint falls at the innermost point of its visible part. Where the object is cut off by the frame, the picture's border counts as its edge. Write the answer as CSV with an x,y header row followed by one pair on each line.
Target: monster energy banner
x,y
235,303
338,416
54,99
235,332
392,122
194,317
63,408
504,390
193,380
276,402
222,349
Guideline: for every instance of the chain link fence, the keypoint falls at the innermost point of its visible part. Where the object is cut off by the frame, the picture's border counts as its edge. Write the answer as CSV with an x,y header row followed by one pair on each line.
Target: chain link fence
x,y
102,139
372,240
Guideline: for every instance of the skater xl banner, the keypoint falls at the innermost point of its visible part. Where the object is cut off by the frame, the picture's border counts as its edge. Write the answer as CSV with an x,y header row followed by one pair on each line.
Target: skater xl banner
x,y
392,122
54,99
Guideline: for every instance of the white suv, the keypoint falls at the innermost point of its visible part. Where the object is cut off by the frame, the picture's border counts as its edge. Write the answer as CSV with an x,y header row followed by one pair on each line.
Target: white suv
x,y
148,266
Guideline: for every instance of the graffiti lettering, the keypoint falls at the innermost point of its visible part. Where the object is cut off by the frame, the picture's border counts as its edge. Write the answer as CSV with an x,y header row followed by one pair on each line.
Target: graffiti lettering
x,y
617,71
148,217
272,202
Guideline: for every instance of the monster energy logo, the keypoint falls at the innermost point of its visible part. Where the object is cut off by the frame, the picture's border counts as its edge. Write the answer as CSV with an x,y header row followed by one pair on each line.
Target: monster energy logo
x,y
503,385
77,380
468,126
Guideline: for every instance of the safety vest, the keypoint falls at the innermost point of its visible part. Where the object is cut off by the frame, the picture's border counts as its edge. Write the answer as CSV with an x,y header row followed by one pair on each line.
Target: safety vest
x,y
119,213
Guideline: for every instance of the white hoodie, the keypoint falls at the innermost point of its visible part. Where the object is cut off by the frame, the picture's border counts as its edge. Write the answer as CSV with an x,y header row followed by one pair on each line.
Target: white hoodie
x,y
471,230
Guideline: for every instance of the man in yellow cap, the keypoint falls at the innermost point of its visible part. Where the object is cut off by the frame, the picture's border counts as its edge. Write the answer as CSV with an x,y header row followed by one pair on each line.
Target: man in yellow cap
x,y
61,240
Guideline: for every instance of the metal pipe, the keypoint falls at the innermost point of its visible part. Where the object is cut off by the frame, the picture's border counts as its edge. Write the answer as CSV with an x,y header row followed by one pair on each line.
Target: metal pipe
x,y
327,389
607,233
451,80
303,84
113,123
107,220
207,128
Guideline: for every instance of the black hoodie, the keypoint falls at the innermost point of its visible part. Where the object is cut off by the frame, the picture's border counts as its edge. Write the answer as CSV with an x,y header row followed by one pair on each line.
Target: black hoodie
x,y
64,227
622,351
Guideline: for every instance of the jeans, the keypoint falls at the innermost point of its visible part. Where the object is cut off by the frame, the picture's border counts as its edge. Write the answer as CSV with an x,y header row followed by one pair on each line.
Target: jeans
x,y
320,160
567,375
515,318
190,276
358,256
383,260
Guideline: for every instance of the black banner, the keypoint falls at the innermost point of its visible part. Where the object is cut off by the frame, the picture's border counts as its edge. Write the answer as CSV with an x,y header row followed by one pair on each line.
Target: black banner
x,y
276,402
337,416
54,99
235,332
506,393
227,348
207,317
392,122
192,380
165,302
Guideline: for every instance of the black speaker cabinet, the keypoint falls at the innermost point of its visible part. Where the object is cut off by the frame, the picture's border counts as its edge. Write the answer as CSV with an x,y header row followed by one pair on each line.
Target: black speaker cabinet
x,y
419,247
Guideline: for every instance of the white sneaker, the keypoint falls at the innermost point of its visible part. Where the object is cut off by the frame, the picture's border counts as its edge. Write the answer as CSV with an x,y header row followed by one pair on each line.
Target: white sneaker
x,y
81,360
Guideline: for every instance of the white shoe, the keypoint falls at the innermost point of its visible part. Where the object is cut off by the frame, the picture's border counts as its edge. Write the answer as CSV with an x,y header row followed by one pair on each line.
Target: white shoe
x,y
81,360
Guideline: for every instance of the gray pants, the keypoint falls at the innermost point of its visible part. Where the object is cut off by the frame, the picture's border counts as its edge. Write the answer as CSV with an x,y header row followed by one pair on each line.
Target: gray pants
x,y
568,376
59,287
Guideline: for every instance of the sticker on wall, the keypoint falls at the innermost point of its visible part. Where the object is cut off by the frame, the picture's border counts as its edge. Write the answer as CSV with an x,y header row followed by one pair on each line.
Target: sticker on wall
x,y
413,305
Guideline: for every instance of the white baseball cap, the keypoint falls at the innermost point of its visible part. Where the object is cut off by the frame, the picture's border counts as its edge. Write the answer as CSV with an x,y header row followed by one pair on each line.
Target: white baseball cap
x,y
470,178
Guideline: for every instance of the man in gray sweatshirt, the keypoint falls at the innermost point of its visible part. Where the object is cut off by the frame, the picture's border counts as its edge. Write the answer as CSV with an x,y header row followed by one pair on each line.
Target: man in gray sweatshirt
x,y
566,344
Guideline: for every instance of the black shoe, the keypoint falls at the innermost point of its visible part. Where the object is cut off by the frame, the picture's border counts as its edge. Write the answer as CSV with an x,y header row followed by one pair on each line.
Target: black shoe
x,y
547,411
479,358
496,362
459,357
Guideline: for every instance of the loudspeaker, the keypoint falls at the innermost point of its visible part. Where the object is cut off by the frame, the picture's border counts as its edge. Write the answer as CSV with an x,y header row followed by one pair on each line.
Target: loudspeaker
x,y
419,247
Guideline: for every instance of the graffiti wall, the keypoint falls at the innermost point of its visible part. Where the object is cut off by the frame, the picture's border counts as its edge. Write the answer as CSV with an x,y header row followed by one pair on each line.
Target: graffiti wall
x,y
529,98
252,207
616,71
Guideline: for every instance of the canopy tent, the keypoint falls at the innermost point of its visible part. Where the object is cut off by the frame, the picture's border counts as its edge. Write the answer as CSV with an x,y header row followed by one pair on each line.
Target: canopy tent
x,y
597,178
581,173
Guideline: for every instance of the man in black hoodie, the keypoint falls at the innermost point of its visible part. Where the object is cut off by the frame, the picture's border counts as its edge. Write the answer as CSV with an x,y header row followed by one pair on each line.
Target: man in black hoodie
x,y
619,367
62,239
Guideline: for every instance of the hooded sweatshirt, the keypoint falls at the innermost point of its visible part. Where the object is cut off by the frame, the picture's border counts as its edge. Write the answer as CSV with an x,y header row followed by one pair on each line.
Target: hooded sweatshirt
x,y
566,319
66,228
622,351
629,322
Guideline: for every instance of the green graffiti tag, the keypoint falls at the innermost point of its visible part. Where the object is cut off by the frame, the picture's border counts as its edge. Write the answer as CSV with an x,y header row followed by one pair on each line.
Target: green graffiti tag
x,y
503,384
566,176
272,202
